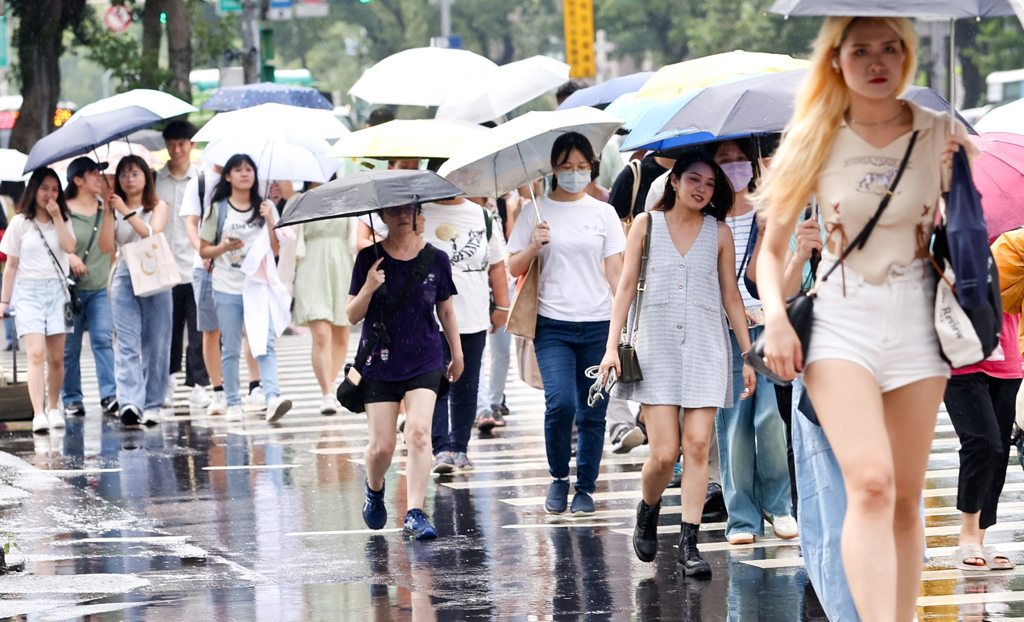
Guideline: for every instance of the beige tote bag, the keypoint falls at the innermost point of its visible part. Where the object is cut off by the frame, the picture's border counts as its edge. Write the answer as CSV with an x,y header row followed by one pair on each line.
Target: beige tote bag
x,y
522,315
526,358
151,265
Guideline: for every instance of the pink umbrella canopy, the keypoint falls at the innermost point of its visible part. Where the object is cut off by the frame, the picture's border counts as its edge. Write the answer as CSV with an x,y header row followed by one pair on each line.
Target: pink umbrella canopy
x,y
999,177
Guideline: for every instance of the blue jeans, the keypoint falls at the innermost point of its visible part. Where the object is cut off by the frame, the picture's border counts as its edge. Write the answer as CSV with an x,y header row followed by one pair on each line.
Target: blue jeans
x,y
451,432
564,352
752,453
231,315
101,327
819,484
142,350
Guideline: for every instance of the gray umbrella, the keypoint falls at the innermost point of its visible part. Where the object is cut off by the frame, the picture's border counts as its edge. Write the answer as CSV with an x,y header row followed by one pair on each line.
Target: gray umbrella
x,y
366,192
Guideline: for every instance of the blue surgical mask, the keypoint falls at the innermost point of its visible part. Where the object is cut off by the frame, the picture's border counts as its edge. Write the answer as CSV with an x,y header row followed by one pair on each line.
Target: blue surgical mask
x,y
573,181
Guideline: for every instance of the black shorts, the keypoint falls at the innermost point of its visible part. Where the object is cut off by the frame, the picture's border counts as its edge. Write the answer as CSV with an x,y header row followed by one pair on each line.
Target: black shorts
x,y
377,391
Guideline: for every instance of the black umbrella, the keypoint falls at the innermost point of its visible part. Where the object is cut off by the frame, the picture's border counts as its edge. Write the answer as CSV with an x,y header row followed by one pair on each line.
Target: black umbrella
x,y
87,133
366,192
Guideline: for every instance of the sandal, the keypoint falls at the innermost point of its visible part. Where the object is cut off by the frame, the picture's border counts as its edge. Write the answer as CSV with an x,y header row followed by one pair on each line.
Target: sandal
x,y
992,557
969,551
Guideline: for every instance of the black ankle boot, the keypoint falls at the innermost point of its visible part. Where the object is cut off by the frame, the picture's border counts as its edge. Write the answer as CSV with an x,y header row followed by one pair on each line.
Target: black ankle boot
x,y
689,558
645,534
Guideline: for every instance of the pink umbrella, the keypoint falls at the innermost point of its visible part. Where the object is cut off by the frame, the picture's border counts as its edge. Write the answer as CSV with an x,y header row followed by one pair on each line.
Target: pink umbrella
x,y
999,177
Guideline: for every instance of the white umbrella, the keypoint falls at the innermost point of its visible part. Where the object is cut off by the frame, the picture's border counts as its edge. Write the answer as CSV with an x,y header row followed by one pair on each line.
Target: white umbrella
x,y
503,89
419,76
519,152
162,105
12,165
277,122
1008,118
276,159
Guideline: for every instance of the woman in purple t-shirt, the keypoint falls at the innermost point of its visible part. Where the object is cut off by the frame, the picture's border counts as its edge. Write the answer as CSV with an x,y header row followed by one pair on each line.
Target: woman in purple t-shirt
x,y
407,363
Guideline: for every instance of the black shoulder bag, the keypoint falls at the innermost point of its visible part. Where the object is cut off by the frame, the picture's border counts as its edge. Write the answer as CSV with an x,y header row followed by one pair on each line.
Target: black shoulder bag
x,y
627,352
350,391
801,306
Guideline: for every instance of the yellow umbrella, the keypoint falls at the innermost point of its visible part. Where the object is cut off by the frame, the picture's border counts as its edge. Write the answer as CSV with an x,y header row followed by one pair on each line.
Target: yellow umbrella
x,y
400,139
671,81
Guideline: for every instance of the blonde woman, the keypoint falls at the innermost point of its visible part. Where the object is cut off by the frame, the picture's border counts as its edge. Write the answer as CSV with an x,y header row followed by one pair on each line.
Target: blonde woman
x,y
873,370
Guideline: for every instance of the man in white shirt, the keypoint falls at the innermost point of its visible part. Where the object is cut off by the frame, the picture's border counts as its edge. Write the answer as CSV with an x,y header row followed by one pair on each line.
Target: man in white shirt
x,y
171,182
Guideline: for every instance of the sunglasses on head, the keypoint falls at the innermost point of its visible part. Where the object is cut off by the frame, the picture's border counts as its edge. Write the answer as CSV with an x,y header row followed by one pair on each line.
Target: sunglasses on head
x,y
401,209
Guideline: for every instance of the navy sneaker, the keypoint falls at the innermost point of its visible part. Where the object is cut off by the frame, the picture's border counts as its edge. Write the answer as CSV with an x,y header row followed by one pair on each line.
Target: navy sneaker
x,y
558,496
417,527
374,513
582,504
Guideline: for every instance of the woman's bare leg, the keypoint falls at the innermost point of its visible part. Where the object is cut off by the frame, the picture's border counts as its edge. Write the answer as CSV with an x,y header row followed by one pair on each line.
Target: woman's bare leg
x,y
339,349
35,348
698,426
663,437
381,418
419,419
321,355
55,369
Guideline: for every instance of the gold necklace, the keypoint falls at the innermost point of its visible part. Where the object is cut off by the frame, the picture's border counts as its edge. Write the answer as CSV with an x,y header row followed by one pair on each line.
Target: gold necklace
x,y
877,123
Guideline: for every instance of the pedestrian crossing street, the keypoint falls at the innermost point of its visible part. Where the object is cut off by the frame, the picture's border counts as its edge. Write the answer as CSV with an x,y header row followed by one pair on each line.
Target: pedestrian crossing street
x,y
511,468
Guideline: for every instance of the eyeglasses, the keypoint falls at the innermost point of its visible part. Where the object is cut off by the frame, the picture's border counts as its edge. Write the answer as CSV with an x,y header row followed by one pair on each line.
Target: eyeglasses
x,y
401,209
132,175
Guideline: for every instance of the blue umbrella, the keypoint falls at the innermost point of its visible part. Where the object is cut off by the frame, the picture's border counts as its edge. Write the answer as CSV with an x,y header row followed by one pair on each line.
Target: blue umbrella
x,y
606,92
247,95
87,133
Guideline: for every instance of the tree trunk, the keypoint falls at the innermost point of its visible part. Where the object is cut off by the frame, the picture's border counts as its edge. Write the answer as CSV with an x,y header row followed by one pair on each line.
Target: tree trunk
x,y
966,39
251,40
38,43
179,48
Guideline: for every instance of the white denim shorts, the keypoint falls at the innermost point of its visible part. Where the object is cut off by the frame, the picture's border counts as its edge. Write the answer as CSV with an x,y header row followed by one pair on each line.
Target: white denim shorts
x,y
39,307
888,329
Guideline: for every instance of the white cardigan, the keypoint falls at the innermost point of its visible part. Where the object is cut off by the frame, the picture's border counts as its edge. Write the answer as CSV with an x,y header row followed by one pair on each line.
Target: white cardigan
x,y
263,289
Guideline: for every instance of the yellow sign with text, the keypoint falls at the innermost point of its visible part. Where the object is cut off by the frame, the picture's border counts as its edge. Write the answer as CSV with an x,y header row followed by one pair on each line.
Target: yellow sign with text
x,y
579,37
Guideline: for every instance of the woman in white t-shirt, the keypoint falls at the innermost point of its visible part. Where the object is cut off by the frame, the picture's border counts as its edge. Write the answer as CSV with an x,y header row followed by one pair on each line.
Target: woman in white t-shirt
x,y
239,223
579,246
37,243
142,324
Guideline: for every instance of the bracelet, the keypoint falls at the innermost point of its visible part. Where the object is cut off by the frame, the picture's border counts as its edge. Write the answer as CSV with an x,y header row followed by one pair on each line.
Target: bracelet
x,y
496,308
5,302
130,214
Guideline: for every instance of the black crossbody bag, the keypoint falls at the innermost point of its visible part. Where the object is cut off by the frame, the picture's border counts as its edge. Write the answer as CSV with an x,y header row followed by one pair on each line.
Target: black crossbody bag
x,y
800,308
627,351
73,305
350,391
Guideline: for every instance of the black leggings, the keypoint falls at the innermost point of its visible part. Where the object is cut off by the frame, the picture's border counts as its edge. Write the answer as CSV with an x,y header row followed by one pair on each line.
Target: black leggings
x,y
982,409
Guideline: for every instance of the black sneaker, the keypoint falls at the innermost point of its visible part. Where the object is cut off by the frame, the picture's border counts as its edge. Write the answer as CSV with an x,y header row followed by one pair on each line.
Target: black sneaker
x,y
498,414
625,437
109,405
558,497
75,409
485,422
130,415
582,504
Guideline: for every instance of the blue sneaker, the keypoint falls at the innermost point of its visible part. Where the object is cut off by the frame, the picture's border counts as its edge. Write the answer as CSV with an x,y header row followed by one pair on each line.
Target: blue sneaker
x,y
677,476
582,504
417,527
558,496
374,513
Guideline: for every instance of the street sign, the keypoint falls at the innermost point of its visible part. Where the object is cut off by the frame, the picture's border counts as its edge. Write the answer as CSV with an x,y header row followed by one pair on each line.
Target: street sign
x,y
312,8
578,17
229,6
279,10
454,42
5,44
117,18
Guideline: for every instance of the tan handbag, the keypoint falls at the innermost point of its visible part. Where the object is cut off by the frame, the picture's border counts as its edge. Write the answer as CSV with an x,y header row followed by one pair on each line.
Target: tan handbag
x,y
522,315
526,357
151,265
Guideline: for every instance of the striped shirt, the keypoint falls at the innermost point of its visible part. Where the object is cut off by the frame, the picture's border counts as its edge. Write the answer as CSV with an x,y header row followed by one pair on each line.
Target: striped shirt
x,y
741,227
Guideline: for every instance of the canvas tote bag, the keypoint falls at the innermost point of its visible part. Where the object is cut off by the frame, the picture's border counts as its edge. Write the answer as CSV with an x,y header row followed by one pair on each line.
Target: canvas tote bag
x,y
151,265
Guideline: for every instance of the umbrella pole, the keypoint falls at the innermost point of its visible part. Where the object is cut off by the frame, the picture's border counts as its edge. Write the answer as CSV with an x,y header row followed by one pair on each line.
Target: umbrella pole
x,y
529,184
105,182
952,76
373,236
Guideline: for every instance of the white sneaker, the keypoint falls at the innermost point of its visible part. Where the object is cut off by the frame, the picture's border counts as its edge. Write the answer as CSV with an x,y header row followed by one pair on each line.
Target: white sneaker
x,y
199,397
219,404
255,401
172,384
328,405
235,413
741,538
277,407
785,527
55,418
151,416
40,424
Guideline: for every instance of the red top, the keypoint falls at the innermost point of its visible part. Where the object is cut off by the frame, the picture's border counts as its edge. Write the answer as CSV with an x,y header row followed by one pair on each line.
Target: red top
x,y
1012,365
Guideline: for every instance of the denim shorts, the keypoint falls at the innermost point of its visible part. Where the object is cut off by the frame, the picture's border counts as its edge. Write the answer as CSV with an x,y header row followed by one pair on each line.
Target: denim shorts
x,y
39,307
202,290
888,329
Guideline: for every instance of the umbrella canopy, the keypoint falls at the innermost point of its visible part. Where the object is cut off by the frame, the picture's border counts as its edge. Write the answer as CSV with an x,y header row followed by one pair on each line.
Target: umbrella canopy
x,y
161,105
112,153
366,192
761,105
277,122
12,165
519,152
503,89
419,76
296,160
399,139
1008,119
999,177
673,80
606,92
87,133
956,9
247,95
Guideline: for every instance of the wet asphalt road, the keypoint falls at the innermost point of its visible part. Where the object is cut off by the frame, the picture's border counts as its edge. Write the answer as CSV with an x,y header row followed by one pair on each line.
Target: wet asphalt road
x,y
197,519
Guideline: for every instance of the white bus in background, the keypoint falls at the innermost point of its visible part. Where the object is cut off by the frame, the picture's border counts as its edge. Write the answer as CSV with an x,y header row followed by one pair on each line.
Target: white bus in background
x,y
1002,87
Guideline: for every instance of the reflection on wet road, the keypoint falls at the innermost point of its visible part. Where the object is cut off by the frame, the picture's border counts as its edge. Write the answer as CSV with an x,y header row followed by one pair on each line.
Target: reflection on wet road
x,y
198,519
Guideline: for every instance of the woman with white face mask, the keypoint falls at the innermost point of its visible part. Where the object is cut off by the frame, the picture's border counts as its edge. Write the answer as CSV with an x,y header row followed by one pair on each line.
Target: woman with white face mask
x,y
579,246
751,434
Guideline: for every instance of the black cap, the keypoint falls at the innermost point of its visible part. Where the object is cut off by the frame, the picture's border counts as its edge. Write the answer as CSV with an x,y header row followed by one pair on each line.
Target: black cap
x,y
83,165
